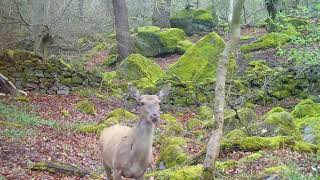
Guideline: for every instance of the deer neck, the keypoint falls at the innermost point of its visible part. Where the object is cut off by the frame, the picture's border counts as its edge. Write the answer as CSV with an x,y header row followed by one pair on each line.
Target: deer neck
x,y
143,139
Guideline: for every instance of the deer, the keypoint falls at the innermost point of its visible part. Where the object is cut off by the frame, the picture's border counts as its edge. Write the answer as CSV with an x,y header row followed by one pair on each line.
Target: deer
x,y
126,151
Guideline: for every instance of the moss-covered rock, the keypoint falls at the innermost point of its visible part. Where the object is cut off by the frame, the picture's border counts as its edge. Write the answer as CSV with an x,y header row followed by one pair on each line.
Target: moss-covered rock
x,y
255,143
183,46
310,128
306,108
146,86
85,106
245,117
172,151
153,41
193,21
172,127
270,40
302,146
137,66
199,63
119,116
194,124
281,123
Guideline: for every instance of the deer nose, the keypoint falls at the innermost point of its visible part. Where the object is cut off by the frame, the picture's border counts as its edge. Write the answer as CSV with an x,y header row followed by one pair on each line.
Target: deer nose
x,y
155,117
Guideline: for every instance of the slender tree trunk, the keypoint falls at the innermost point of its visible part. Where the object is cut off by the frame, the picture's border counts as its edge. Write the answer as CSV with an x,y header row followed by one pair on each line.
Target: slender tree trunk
x,y
81,7
213,147
122,28
231,3
161,13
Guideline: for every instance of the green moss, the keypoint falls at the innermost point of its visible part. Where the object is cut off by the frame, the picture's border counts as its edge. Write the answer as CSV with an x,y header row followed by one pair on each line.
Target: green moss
x,y
85,106
64,64
252,157
136,67
91,128
313,123
66,81
153,41
22,99
236,134
246,37
247,117
306,108
146,86
282,169
205,113
111,60
172,126
223,166
183,46
172,151
193,21
10,124
271,40
119,116
199,63
194,123
255,143
65,113
109,76
282,122
184,173
302,146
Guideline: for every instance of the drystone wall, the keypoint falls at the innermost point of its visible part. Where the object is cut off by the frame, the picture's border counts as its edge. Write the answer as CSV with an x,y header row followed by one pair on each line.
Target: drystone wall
x,y
30,72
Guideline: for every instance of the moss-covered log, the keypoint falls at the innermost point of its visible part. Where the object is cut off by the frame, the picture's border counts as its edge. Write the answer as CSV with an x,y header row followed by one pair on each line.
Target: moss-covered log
x,y
54,167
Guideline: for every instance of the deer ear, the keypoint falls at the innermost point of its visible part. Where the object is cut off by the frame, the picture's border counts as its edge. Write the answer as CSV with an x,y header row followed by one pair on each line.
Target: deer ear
x,y
164,91
134,93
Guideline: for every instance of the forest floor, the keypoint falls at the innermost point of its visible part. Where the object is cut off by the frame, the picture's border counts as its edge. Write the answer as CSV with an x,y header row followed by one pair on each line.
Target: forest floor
x,y
55,139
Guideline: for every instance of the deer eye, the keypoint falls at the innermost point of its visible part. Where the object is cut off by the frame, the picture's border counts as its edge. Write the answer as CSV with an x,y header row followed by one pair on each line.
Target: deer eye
x,y
142,103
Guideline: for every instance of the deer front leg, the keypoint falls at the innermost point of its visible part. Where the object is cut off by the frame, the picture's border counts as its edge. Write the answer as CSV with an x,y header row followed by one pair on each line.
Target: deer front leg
x,y
116,174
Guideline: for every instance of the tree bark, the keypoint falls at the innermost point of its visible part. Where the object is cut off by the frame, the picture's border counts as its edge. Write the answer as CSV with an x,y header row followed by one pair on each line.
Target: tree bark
x,y
161,13
122,28
214,141
81,7
7,87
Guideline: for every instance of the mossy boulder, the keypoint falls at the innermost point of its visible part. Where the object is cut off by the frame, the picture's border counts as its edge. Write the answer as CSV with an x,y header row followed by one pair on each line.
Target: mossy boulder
x,y
310,128
119,116
256,143
172,151
183,46
245,117
146,86
85,106
281,122
184,173
270,40
172,126
306,108
193,21
199,63
153,41
194,123
137,66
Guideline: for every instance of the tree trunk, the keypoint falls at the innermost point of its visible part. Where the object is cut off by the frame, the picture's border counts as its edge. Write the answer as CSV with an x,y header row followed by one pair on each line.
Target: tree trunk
x,y
81,7
161,13
40,29
272,8
7,87
122,28
214,141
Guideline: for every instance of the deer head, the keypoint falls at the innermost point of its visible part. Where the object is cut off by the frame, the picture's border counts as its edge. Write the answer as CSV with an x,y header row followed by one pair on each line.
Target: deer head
x,y
149,104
